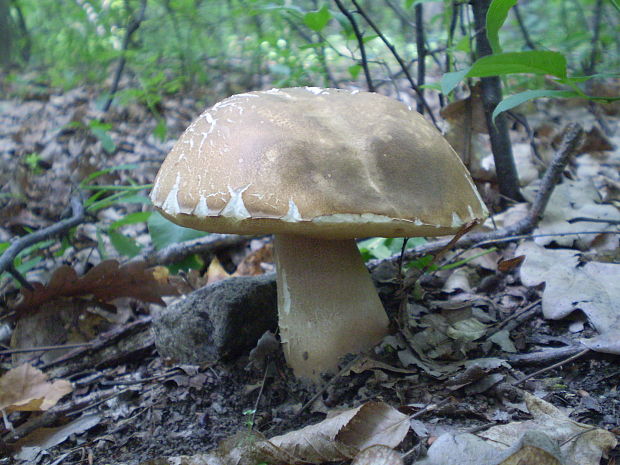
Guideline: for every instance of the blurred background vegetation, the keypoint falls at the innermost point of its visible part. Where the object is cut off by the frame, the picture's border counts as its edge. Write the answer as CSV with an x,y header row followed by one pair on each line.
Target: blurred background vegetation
x,y
236,45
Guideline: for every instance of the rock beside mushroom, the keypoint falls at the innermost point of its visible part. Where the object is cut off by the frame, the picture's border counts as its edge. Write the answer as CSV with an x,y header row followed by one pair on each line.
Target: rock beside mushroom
x,y
217,322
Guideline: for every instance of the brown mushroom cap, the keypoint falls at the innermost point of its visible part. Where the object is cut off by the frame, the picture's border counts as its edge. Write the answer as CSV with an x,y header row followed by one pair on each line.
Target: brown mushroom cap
x,y
320,162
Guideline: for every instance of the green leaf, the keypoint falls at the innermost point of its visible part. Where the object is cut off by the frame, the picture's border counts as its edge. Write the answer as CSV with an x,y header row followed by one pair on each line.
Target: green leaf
x,y
164,232
380,247
132,218
616,4
317,20
518,99
124,245
106,141
450,80
496,16
96,174
367,39
100,131
354,70
529,62
463,45
161,130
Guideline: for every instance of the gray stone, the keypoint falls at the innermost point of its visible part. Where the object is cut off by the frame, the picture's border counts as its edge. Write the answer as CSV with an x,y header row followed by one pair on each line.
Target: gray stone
x,y
218,322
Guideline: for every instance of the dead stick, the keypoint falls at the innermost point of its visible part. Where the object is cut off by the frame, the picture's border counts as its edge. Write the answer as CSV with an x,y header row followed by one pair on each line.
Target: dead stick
x,y
177,252
551,367
78,217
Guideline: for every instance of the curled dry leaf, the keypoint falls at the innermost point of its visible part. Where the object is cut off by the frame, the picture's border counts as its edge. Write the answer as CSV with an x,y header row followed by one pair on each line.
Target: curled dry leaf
x,y
569,286
343,436
510,264
107,281
534,447
579,444
340,437
26,388
570,200
378,455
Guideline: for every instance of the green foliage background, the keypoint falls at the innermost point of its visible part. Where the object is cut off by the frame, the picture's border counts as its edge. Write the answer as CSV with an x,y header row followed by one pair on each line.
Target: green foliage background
x,y
249,44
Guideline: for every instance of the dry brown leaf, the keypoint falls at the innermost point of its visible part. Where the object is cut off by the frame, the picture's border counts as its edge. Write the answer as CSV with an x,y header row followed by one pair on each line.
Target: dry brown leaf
x,y
342,436
510,264
594,141
252,263
591,287
32,446
26,388
378,455
580,444
467,112
534,447
107,281
216,272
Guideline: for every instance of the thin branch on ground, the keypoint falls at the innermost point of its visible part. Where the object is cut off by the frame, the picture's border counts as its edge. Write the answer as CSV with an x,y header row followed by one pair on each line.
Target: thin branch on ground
x,y
570,145
333,379
360,42
6,259
551,367
398,58
174,253
545,356
516,319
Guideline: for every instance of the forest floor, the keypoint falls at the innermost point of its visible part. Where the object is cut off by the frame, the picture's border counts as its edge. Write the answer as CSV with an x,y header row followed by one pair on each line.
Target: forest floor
x,y
459,363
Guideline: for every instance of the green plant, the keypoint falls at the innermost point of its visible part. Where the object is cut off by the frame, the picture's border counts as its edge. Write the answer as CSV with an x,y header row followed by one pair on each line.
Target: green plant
x,y
33,162
537,62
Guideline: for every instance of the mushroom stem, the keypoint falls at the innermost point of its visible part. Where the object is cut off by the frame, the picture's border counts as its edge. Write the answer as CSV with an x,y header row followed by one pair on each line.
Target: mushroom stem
x,y
327,303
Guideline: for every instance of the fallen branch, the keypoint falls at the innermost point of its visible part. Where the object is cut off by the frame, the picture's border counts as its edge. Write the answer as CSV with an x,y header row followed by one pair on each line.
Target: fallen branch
x,y
6,259
176,252
570,145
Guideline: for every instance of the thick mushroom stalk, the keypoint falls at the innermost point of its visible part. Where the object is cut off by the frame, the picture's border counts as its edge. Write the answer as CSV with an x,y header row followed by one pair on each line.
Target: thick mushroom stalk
x,y
327,303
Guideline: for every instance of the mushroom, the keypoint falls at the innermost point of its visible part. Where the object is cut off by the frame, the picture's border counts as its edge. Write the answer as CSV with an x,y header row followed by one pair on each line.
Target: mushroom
x,y
317,168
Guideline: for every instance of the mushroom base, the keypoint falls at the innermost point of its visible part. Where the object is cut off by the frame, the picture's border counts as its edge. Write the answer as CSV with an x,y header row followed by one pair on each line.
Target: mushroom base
x,y
327,303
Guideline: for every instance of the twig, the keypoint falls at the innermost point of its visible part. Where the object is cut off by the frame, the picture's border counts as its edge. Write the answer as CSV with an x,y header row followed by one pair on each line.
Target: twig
x,y
594,43
570,145
421,49
544,356
176,252
526,35
515,319
551,367
429,407
78,217
400,61
43,348
360,43
132,27
323,388
581,219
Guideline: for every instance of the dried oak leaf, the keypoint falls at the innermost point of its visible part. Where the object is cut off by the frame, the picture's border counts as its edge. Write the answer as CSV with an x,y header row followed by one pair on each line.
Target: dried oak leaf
x,y
26,388
107,281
